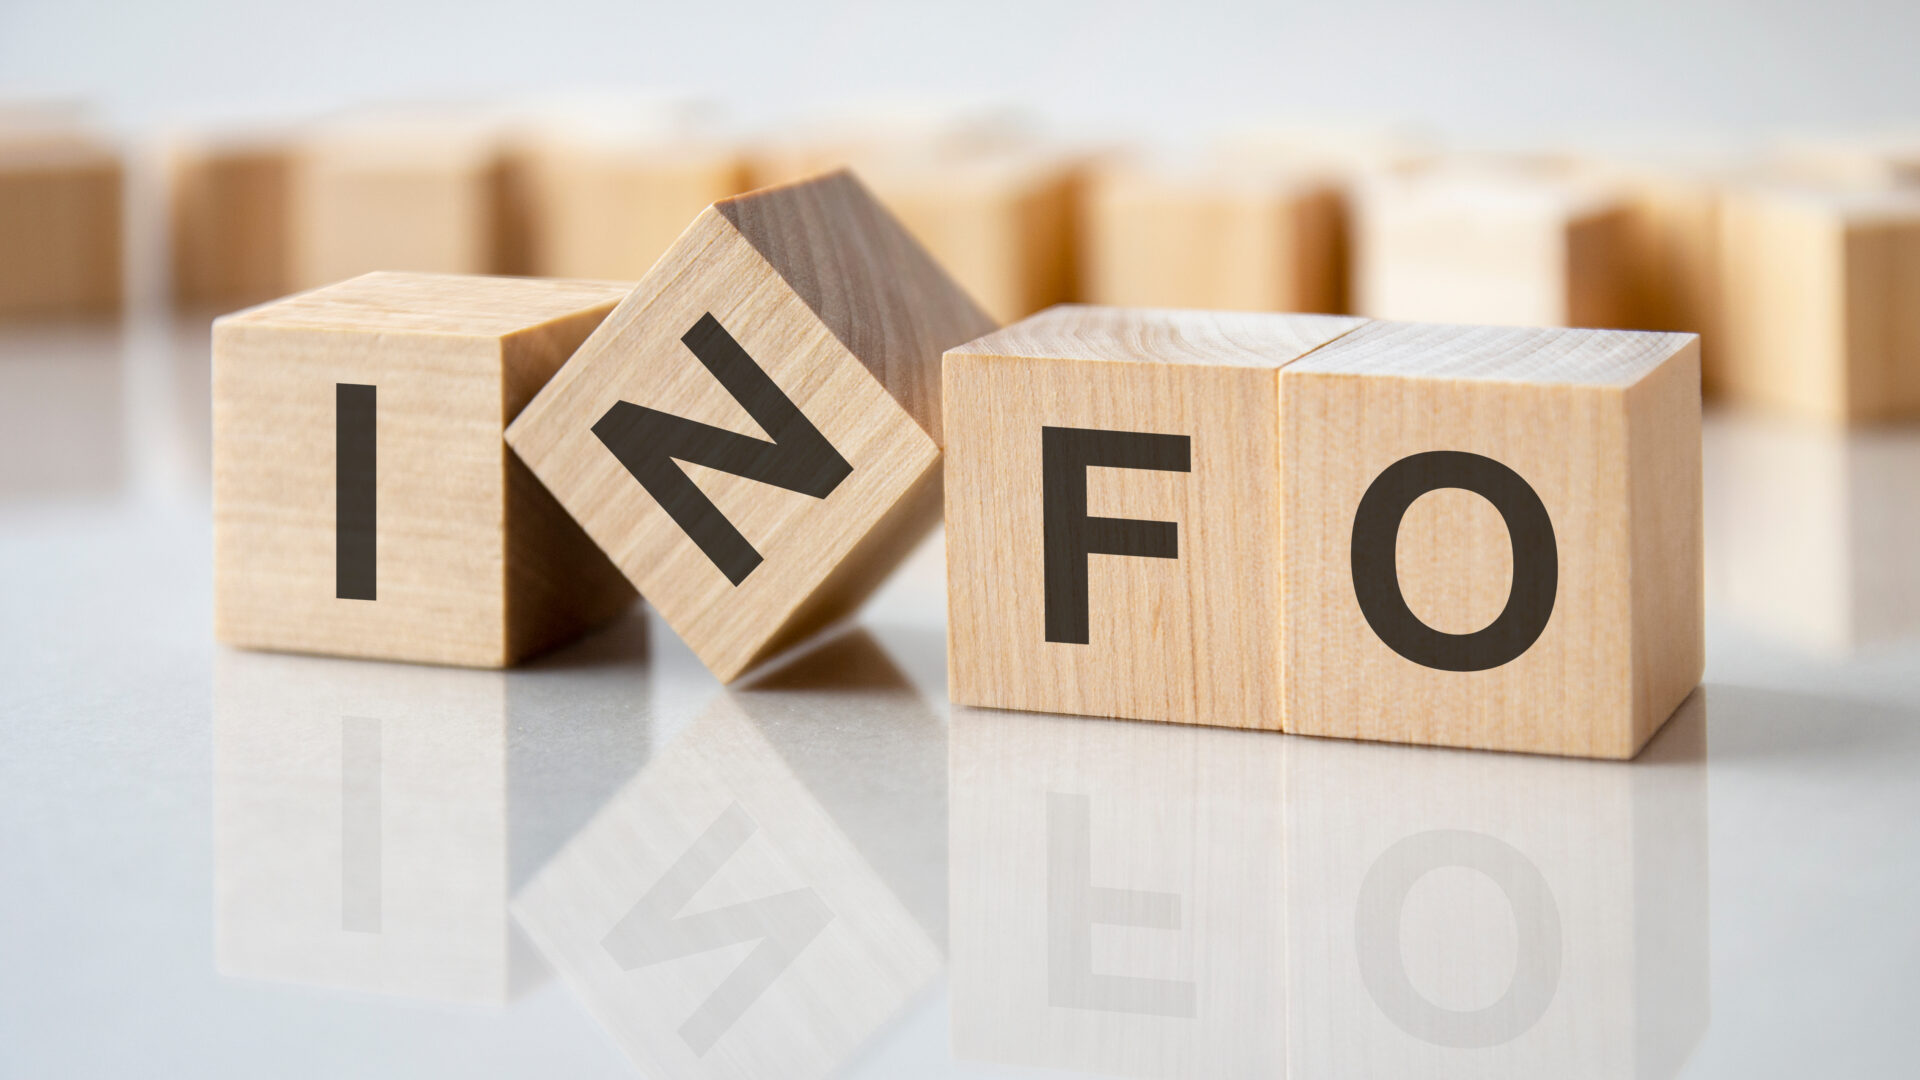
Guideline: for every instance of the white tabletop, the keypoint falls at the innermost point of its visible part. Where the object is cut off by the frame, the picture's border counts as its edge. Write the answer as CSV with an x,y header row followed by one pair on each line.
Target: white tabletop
x,y
222,863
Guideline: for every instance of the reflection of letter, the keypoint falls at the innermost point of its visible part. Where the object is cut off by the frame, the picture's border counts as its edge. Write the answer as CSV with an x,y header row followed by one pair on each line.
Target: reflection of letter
x,y
360,824
654,932
1074,904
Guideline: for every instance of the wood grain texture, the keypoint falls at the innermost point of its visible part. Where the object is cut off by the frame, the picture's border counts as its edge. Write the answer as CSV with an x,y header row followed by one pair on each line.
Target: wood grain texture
x,y
60,223
1214,238
604,208
846,315
1192,639
1822,302
1498,249
477,565
230,219
1603,427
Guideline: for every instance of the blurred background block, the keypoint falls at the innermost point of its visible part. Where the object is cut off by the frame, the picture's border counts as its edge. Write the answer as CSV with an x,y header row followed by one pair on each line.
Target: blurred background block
x,y
230,216
60,216
1882,159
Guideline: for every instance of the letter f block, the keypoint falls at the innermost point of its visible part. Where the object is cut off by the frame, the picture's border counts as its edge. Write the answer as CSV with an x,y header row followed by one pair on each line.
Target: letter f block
x,y
1113,513
753,436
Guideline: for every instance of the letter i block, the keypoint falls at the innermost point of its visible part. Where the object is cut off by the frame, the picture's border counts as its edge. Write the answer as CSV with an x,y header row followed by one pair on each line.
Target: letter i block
x,y
1492,537
364,501
1113,513
753,435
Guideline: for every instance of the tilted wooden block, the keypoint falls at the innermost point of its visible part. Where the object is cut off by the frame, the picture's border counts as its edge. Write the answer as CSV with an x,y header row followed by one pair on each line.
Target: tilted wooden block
x,y
1507,250
754,434
1822,302
60,231
364,502
1492,537
1148,434
230,210
1249,240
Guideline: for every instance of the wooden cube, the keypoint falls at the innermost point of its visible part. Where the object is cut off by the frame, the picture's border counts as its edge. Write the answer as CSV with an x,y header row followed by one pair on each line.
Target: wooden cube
x,y
60,227
230,210
1822,302
1889,159
1230,240
1673,252
1149,434
788,345
1492,537
1488,248
364,503
405,193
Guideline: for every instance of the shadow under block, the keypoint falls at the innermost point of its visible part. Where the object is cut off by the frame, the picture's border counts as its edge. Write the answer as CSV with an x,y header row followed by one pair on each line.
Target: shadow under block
x,y
1495,250
610,210
1822,303
753,435
230,214
1520,512
1113,513
60,224
392,522
1213,240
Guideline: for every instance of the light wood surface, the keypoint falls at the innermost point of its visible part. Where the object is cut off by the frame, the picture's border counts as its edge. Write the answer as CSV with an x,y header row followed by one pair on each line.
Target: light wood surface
x,y
1673,253
608,208
1482,247
1215,238
1192,639
476,565
230,218
1822,302
60,222
1603,427
846,315
1887,159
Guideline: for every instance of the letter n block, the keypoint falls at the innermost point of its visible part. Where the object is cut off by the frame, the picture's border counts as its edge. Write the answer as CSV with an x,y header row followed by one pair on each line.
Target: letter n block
x,y
1492,536
753,435
364,503
1113,513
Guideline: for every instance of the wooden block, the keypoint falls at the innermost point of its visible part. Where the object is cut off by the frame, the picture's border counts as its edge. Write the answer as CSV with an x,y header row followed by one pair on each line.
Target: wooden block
x,y
230,216
1104,431
1822,302
60,222
1227,240
1508,250
405,193
1673,253
788,345
1494,914
1492,537
1884,160
364,503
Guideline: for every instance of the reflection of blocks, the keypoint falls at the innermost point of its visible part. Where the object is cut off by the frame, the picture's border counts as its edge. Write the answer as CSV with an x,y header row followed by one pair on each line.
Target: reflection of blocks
x,y
1088,432
1492,915
364,503
754,434
1492,537
231,218
60,194
1822,294
1117,899
717,921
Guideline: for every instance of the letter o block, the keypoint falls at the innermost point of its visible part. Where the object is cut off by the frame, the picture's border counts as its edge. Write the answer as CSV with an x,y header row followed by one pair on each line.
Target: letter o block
x,y
753,436
1113,513
364,503
1492,537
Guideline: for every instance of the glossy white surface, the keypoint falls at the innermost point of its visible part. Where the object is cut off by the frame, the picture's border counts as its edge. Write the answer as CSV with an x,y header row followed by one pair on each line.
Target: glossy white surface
x,y
219,863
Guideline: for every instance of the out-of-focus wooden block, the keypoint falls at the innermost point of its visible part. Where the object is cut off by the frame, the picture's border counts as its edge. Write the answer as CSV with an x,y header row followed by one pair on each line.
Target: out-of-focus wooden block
x,y
1215,238
364,503
1673,254
603,207
230,213
1150,434
1505,250
405,193
1883,160
1492,537
60,222
1822,302
788,345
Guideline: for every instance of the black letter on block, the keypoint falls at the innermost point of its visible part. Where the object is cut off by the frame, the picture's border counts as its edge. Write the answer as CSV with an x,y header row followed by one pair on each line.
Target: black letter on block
x,y
648,441
353,491
1376,577
1071,536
